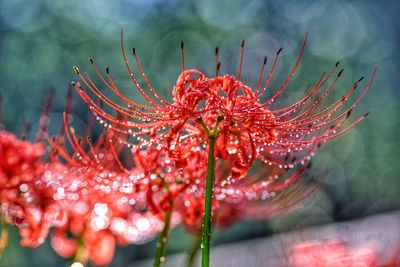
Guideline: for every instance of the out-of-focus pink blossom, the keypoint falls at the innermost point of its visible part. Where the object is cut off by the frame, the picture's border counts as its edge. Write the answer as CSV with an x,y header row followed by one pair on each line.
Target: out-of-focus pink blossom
x,y
22,203
20,160
333,253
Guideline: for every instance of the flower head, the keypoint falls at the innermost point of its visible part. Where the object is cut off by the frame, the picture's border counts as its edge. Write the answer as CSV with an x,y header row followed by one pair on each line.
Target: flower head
x,y
247,128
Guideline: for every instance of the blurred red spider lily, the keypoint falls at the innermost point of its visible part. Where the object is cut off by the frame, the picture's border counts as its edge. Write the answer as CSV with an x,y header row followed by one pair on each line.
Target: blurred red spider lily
x,y
22,203
102,197
91,201
333,252
90,208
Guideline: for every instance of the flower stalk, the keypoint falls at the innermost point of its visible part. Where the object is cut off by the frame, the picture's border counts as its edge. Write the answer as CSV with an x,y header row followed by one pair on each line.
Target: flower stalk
x,y
206,230
193,251
162,242
80,258
206,227
3,236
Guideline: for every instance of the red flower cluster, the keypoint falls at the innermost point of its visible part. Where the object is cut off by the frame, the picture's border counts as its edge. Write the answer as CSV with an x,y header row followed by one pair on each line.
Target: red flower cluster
x,y
22,202
90,208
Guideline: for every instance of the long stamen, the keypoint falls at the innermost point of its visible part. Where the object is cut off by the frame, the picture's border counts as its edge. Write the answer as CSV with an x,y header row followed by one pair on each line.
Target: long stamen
x,y
68,106
114,153
241,59
271,73
261,75
44,118
291,73
218,68
182,56
217,63
162,100
112,86
135,82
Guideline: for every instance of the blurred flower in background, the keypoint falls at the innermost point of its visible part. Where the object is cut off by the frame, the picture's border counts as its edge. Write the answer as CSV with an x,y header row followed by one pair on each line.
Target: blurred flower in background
x,y
333,252
41,40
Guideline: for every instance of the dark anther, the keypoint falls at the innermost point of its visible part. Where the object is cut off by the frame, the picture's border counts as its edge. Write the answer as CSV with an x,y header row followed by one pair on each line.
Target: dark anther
x,y
265,60
107,70
76,69
134,51
216,50
279,51
91,61
340,72
337,64
241,43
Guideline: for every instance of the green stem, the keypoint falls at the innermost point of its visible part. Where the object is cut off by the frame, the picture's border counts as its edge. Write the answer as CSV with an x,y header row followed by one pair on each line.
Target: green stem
x,y
206,229
193,251
81,253
163,239
3,236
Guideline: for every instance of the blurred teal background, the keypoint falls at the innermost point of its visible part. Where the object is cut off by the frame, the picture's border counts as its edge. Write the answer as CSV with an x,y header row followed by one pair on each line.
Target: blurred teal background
x,y
41,40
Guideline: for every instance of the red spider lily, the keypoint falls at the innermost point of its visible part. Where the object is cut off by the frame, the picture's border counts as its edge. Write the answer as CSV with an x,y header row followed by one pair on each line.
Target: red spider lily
x,y
249,128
